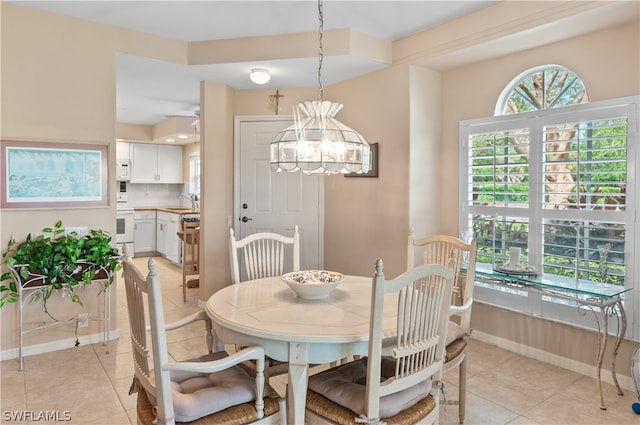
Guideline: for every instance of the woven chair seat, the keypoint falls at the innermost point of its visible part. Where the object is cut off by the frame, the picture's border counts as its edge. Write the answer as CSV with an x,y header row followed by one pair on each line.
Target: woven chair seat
x,y
454,349
235,415
324,407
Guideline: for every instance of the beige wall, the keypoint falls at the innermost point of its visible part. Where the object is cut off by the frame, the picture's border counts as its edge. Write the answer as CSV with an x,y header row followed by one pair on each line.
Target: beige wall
x,y
367,218
137,132
377,106
258,102
554,342
216,184
58,83
607,61
219,104
424,159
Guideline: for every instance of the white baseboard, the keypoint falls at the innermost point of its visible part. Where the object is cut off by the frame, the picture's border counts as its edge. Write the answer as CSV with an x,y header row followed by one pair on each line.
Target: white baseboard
x,y
524,350
61,344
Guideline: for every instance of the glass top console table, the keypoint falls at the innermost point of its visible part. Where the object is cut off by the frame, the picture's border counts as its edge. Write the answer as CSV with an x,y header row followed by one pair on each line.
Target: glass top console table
x,y
603,300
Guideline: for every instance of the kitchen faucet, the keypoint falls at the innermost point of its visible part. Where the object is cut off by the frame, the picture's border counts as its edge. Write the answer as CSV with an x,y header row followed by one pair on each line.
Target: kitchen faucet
x,y
193,198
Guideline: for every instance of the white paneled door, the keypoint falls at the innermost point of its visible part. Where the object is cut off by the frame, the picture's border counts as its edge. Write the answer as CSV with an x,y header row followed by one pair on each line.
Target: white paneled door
x,y
266,201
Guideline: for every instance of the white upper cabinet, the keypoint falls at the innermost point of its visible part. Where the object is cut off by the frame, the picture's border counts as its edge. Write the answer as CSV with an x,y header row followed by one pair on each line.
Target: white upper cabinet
x,y
144,163
170,164
122,151
156,163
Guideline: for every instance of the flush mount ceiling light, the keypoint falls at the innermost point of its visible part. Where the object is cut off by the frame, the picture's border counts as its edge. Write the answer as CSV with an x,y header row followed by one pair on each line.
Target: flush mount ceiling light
x,y
317,143
260,76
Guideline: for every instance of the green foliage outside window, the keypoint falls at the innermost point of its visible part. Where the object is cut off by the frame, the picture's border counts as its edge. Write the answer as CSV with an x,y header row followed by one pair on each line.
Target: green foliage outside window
x,y
583,167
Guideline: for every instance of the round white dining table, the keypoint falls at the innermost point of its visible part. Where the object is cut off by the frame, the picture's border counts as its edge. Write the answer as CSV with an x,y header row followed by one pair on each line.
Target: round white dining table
x,y
301,332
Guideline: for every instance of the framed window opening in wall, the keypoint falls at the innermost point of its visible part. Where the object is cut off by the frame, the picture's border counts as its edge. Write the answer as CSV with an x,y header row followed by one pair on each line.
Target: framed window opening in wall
x,y
194,173
52,174
562,185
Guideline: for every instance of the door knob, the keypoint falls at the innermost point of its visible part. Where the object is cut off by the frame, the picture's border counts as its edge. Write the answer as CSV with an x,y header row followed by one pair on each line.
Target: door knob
x,y
245,219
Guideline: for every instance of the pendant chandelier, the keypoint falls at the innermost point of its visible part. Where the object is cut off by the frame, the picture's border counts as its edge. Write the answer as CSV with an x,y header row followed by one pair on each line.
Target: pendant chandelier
x,y
317,143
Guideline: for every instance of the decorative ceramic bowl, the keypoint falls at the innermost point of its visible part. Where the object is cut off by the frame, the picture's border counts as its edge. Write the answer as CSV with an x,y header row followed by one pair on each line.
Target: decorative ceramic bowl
x,y
313,284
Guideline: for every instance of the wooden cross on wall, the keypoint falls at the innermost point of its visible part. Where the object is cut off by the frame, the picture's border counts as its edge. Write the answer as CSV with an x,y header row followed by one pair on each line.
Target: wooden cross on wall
x,y
274,101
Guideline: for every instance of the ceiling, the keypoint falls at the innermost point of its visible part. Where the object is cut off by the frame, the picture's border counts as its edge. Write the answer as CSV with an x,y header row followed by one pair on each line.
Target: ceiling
x,y
149,90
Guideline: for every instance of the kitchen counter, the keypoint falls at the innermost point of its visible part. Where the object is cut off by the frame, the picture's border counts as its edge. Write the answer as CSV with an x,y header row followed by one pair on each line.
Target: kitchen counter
x,y
173,210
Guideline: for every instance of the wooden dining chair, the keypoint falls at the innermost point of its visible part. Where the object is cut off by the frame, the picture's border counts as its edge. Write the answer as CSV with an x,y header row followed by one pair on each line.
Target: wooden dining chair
x,y
263,255
211,389
452,252
190,256
399,381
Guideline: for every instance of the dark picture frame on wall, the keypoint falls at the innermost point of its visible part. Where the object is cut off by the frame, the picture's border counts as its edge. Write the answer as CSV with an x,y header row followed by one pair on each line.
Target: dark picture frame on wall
x,y
374,152
52,174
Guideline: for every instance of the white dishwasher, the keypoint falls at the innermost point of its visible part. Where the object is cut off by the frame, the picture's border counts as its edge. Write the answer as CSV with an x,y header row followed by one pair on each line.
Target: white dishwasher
x,y
167,240
145,232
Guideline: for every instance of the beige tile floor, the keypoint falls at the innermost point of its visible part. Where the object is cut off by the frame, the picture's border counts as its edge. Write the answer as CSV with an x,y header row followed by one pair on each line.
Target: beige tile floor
x,y
503,388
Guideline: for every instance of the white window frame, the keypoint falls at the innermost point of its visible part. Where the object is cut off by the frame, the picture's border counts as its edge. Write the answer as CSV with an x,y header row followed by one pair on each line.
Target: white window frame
x,y
530,302
194,173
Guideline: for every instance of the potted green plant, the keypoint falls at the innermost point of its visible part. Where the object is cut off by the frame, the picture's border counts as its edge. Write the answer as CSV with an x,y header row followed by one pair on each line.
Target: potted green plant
x,y
54,261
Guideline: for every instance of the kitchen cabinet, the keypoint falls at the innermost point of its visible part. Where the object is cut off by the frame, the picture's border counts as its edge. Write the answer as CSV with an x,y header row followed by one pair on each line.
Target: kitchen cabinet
x,y
122,151
152,163
145,231
162,220
167,241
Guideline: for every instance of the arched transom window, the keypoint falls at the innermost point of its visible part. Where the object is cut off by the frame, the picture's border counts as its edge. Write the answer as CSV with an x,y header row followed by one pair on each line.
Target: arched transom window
x,y
543,87
553,175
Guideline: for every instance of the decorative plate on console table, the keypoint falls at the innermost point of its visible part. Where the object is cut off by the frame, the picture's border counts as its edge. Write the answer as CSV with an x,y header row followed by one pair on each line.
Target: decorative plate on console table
x,y
520,269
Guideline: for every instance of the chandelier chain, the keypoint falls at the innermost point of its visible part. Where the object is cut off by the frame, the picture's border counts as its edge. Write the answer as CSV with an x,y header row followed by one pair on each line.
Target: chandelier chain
x,y
317,142
320,50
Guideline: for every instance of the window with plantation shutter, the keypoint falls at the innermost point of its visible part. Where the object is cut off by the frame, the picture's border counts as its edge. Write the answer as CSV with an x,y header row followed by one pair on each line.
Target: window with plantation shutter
x,y
560,184
584,176
500,170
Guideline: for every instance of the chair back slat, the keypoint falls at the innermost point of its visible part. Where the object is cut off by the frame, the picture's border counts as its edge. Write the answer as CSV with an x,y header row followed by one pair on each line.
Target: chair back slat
x,y
144,300
449,251
193,401
422,306
418,335
263,255
159,347
263,258
135,289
